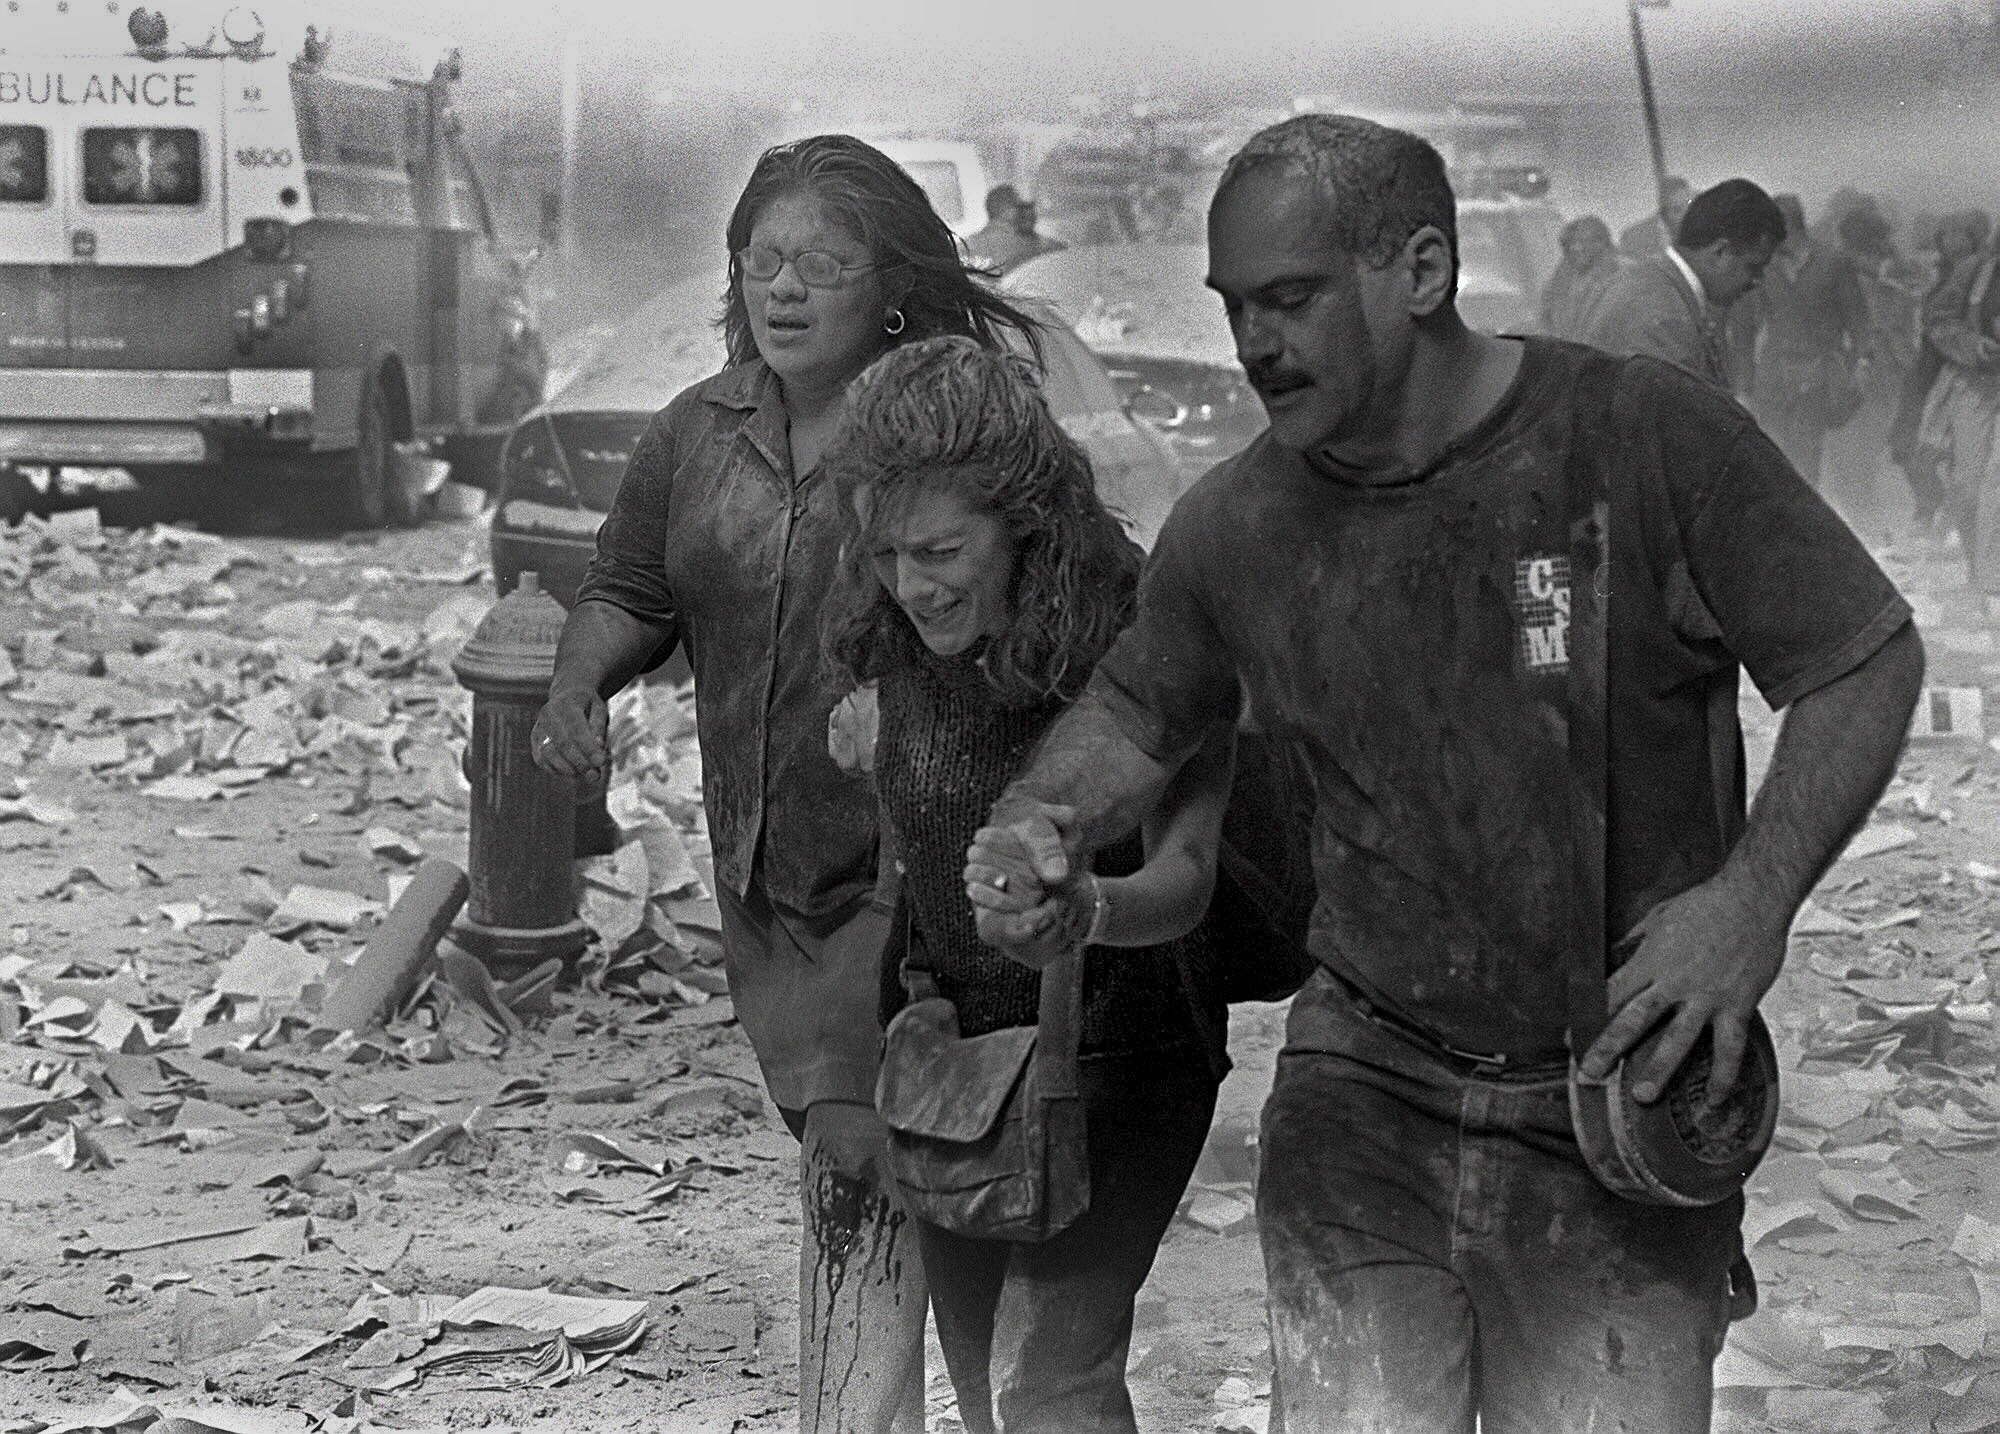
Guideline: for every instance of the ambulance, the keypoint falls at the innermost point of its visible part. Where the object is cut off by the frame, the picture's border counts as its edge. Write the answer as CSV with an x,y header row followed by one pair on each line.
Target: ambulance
x,y
245,253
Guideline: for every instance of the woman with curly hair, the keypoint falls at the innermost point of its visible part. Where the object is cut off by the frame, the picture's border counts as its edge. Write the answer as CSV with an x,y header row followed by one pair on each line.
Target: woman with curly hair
x,y
982,584
724,535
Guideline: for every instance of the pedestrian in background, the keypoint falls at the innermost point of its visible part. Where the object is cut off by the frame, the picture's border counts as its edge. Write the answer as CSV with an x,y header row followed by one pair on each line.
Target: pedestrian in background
x,y
984,581
998,244
724,536
1816,322
1589,262
1672,306
1955,238
1962,416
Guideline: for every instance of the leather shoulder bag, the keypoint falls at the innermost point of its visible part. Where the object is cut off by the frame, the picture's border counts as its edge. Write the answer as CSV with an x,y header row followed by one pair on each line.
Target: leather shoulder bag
x,y
986,1133
1676,1151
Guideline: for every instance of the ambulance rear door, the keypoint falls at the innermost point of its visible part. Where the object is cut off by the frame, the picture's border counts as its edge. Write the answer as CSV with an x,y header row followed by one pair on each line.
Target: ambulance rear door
x,y
146,215
34,235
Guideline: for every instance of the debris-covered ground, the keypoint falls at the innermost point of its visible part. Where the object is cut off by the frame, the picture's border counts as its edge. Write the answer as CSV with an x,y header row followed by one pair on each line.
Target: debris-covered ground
x,y
567,1206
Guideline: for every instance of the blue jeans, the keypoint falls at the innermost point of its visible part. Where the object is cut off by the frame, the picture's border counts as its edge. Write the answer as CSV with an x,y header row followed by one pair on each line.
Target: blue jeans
x,y
1437,1252
1041,1332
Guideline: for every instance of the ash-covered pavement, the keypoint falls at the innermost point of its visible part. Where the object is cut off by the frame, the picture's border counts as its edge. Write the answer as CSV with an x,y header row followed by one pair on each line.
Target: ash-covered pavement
x,y
220,757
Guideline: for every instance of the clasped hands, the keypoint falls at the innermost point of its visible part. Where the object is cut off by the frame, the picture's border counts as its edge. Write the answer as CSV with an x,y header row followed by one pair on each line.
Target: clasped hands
x,y
1029,900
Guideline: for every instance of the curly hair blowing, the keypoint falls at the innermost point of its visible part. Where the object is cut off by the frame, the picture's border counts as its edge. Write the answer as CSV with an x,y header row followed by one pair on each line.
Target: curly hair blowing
x,y
871,197
948,412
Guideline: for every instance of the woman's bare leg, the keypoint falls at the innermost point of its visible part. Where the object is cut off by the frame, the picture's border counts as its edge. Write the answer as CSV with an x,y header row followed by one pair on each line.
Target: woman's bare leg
x,y
862,1296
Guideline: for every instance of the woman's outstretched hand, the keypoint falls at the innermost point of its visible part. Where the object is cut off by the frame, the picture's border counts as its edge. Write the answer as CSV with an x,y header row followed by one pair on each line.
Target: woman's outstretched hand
x,y
572,735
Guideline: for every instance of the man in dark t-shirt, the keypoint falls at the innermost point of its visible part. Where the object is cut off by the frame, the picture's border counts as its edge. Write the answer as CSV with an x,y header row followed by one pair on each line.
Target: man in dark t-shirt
x,y
1384,578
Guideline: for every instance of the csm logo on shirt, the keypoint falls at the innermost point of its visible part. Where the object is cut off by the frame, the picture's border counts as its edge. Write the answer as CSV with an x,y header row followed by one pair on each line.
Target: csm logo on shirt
x,y
1541,599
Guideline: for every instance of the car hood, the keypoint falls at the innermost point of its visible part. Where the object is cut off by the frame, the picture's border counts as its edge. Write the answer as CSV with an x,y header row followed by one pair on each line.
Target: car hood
x,y
667,345
1146,300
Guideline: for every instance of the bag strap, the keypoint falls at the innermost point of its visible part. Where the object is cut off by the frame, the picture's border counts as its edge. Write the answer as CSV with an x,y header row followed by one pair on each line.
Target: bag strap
x,y
1589,527
905,957
1058,1024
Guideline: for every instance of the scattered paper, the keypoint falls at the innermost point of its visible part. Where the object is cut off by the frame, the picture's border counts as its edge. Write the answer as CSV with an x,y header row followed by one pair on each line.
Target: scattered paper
x,y
1885,1196
580,1319
1876,839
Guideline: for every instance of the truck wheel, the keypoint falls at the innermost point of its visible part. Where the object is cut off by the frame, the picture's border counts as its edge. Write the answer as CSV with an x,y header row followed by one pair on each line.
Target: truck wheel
x,y
367,487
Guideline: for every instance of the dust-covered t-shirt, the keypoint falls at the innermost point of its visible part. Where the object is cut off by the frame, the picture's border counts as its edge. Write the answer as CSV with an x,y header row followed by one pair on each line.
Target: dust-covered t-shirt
x,y
1411,638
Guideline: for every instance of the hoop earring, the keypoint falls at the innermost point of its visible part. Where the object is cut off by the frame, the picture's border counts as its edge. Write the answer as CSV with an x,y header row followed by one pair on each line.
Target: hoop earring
x,y
896,323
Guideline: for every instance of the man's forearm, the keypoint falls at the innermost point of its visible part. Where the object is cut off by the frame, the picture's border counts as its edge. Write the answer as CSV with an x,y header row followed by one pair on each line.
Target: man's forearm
x,y
603,647
1086,761
1835,753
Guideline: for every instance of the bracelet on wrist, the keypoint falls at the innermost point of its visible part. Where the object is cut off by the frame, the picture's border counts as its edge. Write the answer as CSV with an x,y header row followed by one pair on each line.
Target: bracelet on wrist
x,y
1100,911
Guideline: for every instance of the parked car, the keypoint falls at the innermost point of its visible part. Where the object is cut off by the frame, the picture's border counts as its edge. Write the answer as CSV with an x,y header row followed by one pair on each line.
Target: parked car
x,y
1142,308
562,464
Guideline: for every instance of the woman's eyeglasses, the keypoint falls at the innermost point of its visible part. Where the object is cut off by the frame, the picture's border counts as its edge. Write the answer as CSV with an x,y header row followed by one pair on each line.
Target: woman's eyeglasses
x,y
816,268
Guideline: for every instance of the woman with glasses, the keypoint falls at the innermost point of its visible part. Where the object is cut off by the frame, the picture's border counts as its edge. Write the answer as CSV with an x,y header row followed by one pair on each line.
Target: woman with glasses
x,y
724,537
984,582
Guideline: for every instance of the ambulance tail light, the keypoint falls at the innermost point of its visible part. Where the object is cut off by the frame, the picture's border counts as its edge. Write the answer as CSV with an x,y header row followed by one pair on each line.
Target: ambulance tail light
x,y
260,316
281,300
269,240
300,285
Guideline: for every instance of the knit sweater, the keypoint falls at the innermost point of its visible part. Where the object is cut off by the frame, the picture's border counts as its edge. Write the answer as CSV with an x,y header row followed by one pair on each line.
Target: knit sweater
x,y
948,745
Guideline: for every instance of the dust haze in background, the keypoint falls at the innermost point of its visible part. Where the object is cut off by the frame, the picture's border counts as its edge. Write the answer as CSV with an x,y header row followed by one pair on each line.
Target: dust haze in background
x,y
1892,97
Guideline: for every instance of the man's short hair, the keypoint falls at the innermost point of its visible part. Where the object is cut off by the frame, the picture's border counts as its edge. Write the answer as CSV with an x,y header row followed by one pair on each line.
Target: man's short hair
x,y
1002,199
1736,210
1380,185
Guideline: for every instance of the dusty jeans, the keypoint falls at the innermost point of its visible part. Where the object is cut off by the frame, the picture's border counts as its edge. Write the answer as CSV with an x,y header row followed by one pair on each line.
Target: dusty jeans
x,y
1042,1331
1436,1251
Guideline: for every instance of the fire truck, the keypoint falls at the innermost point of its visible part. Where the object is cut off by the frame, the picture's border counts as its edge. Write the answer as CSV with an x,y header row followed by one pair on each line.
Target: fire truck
x,y
246,257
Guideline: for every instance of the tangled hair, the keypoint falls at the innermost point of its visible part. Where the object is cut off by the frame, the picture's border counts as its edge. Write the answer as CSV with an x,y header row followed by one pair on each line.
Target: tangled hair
x,y
948,413
1380,185
870,197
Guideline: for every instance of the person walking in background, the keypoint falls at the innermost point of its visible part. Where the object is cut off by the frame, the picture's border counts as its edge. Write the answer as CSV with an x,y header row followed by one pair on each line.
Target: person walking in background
x,y
724,536
1961,421
1008,239
1650,237
983,583
1957,237
1672,306
1815,324
999,244
1589,263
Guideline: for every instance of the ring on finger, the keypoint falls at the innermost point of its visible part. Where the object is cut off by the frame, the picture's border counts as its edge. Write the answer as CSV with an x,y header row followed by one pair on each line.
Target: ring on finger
x,y
999,882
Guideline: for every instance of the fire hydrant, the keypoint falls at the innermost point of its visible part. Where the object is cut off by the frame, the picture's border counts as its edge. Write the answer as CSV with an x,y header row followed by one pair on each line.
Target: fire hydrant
x,y
523,906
